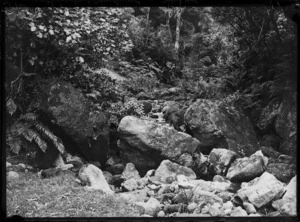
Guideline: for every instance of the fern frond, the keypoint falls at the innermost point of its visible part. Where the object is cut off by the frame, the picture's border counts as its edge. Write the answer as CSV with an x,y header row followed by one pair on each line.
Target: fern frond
x,y
54,139
11,106
15,145
29,117
30,135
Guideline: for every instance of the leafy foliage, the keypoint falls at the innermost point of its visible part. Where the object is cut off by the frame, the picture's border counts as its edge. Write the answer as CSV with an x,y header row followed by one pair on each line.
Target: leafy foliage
x,y
57,40
130,108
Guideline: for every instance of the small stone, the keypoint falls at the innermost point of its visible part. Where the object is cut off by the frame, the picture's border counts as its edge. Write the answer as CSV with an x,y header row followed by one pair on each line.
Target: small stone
x,y
130,172
154,187
22,165
77,181
181,178
150,173
161,214
255,215
227,211
150,193
142,183
11,175
66,166
191,207
238,212
165,188
108,176
219,178
227,205
249,208
8,164
130,185
206,209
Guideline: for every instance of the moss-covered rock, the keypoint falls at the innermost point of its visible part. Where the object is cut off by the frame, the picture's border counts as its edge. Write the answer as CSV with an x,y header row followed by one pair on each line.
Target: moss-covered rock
x,y
85,130
216,124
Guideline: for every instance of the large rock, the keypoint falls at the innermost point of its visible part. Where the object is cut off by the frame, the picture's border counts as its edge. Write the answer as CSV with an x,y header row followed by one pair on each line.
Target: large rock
x,y
268,116
146,143
261,191
287,205
169,169
93,176
282,171
246,169
173,113
286,124
217,125
80,128
221,159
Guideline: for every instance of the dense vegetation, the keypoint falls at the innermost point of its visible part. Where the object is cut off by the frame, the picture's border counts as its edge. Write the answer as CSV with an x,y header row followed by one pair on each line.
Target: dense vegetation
x,y
244,55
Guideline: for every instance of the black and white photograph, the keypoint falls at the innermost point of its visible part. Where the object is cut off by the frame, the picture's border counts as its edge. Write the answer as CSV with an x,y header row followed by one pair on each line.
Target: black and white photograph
x,y
150,112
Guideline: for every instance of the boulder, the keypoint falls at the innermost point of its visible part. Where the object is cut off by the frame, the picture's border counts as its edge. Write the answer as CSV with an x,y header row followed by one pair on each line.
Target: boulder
x,y
146,143
81,129
221,159
130,172
173,113
286,124
261,191
215,124
246,169
288,203
282,171
269,152
92,175
270,140
267,116
169,169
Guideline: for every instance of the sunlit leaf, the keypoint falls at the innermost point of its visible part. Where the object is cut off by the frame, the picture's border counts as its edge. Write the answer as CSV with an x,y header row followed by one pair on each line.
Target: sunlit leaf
x,y
68,39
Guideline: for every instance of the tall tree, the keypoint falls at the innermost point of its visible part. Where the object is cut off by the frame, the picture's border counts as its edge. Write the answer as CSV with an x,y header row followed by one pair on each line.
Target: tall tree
x,y
178,12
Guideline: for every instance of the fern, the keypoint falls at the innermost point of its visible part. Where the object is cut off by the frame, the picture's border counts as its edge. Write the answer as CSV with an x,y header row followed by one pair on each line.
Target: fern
x,y
29,117
28,127
54,139
11,106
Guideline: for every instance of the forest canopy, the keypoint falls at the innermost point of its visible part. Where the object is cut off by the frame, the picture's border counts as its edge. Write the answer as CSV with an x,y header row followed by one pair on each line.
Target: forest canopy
x,y
246,55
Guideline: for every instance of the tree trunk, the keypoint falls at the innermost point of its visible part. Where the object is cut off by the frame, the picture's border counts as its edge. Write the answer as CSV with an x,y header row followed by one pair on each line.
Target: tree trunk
x,y
178,15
